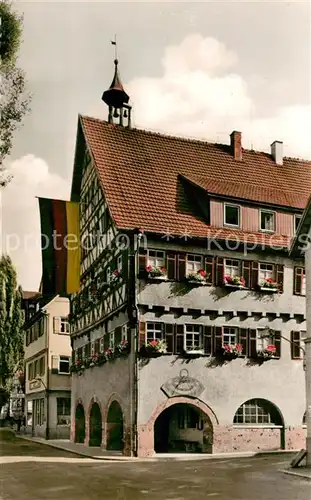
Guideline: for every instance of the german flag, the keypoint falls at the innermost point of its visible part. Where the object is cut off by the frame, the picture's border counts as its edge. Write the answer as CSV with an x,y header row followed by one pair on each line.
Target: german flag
x,y
60,246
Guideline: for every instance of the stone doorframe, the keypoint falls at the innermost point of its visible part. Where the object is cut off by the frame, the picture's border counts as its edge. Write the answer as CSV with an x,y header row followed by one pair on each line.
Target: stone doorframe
x,y
146,431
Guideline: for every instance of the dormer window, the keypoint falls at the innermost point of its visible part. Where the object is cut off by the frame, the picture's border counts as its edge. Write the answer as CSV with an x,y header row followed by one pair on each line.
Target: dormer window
x,y
267,221
232,215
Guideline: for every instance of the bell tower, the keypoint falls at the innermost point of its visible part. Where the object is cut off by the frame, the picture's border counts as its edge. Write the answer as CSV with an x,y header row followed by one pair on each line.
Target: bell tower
x,y
117,100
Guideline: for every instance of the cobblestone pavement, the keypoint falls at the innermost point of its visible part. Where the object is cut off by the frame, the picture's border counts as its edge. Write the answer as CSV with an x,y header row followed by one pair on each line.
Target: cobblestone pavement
x,y
30,471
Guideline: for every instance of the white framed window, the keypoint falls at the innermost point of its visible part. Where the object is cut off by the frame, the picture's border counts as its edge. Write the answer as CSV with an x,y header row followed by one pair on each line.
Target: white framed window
x,y
229,336
257,412
194,263
64,362
64,325
108,275
61,325
124,333
263,342
63,411
266,271
232,268
193,338
297,219
92,348
154,331
267,220
111,340
101,344
120,263
84,352
232,215
156,258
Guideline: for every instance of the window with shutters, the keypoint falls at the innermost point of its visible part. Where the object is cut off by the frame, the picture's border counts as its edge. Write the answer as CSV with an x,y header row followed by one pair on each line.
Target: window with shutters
x,y
154,331
61,325
193,263
231,215
124,333
266,271
230,336
257,412
64,325
30,371
101,345
232,268
193,340
64,362
111,340
261,341
42,366
299,281
295,341
156,258
267,221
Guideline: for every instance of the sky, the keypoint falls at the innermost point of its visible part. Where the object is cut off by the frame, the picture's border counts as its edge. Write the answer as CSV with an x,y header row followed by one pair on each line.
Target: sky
x,y
192,69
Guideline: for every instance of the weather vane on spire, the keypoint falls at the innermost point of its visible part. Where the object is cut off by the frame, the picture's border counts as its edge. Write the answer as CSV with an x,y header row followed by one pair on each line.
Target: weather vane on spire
x,y
114,42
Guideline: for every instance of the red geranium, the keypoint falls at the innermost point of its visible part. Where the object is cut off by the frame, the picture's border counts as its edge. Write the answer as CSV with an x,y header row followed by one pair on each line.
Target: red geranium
x,y
271,348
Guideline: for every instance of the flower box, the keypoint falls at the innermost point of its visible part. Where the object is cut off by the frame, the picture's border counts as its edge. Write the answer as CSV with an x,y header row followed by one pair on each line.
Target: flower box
x,y
269,285
232,351
268,352
197,278
237,282
236,287
194,352
159,273
154,348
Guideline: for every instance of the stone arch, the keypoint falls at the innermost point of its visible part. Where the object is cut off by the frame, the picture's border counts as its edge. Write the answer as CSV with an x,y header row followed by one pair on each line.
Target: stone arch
x,y
183,424
183,399
79,436
262,411
95,425
115,426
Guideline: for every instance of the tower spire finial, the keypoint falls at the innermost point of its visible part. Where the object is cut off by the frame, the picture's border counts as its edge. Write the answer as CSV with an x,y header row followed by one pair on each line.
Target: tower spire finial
x,y
115,97
114,42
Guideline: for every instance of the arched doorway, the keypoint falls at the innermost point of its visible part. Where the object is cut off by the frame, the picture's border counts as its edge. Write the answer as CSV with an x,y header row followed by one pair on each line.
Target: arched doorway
x,y
79,424
95,426
115,427
262,424
183,428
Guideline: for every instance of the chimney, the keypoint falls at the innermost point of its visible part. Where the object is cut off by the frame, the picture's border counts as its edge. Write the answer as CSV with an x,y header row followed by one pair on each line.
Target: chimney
x,y
277,152
236,145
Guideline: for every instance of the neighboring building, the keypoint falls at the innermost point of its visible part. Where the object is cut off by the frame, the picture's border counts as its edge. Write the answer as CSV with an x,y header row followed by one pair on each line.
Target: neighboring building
x,y
301,246
179,223
47,361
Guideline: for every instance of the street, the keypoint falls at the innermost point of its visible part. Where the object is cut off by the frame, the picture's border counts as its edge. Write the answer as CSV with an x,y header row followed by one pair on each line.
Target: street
x,y
30,471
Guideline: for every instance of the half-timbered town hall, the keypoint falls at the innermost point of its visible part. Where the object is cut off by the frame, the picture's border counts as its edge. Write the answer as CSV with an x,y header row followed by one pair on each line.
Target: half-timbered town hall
x,y
187,328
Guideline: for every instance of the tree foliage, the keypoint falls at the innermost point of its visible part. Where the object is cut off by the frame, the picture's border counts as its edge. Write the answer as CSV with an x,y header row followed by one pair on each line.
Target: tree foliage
x,y
14,101
11,321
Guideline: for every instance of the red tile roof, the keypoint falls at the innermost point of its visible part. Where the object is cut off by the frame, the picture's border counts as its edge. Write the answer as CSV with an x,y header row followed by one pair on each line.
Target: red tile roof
x,y
140,175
